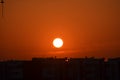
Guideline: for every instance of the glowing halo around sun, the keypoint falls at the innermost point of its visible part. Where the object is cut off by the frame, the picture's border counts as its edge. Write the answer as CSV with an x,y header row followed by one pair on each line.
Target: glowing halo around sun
x,y
57,42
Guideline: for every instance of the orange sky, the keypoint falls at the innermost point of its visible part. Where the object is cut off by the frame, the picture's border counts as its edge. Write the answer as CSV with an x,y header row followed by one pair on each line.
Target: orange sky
x,y
88,28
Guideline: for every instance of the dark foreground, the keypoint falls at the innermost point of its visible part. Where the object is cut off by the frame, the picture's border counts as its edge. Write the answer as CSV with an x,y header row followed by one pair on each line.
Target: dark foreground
x,y
61,69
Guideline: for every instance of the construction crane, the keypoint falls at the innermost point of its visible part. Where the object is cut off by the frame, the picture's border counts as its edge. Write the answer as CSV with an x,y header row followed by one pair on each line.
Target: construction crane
x,y
2,3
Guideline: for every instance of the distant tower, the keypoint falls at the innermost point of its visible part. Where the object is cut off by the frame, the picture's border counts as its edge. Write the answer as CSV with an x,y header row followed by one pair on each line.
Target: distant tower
x,y
2,2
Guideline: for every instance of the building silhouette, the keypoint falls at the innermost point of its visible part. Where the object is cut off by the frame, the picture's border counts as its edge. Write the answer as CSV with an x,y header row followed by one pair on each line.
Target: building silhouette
x,y
61,69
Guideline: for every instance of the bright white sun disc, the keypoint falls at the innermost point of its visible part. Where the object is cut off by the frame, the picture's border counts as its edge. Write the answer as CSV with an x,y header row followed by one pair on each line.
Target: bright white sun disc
x,y
57,42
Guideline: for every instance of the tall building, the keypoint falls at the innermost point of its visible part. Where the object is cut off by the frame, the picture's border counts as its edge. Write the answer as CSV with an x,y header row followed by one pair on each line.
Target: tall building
x,y
11,70
113,69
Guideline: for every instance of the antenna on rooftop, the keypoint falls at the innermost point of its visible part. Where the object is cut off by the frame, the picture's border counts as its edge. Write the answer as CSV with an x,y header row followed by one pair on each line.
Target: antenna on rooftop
x,y
2,2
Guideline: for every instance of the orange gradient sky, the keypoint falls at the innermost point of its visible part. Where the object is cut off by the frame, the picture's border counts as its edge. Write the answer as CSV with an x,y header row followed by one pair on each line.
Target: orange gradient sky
x,y
87,27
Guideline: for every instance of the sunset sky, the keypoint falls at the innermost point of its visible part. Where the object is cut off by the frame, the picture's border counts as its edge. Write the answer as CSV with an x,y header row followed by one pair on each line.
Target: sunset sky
x,y
87,27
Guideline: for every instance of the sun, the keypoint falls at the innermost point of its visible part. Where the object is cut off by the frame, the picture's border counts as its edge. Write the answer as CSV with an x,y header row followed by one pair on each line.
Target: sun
x,y
57,42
